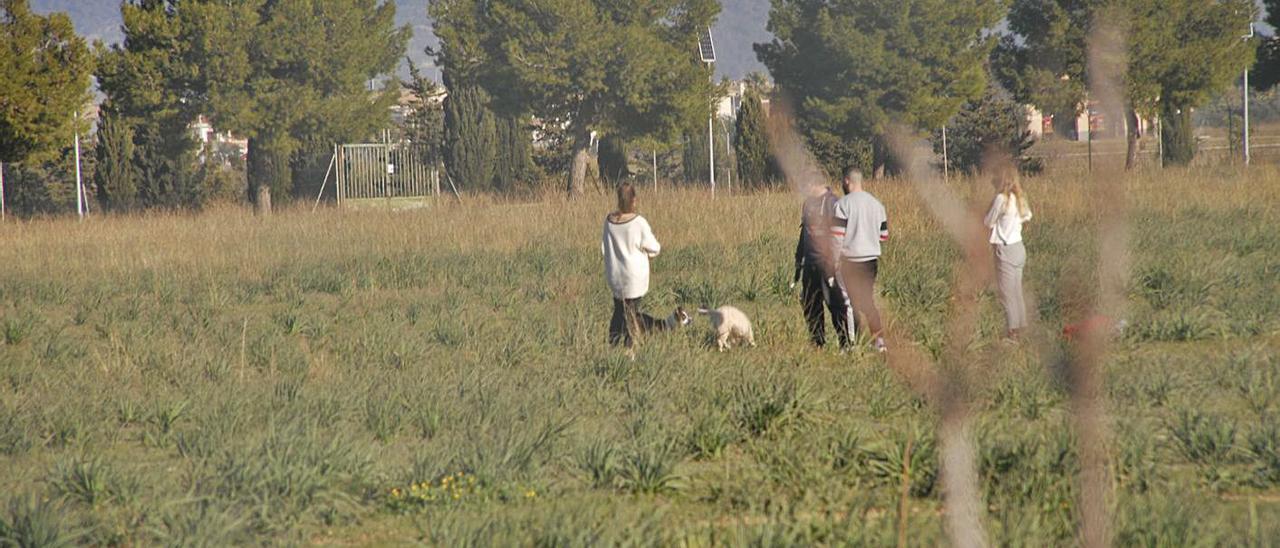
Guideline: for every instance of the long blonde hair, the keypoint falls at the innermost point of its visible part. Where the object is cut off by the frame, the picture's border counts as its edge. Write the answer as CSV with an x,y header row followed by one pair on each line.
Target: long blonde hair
x,y
1009,184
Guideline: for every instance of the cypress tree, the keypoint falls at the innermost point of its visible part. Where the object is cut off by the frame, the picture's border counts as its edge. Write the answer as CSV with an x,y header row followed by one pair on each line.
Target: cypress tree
x,y
470,135
695,157
751,143
514,152
115,175
613,159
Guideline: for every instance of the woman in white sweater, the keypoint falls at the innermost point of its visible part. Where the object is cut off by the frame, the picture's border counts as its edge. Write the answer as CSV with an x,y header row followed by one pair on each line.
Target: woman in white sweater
x,y
627,246
1009,210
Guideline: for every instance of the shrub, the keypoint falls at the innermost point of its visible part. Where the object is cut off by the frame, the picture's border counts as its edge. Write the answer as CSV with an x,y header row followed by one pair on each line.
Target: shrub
x,y
30,522
1203,439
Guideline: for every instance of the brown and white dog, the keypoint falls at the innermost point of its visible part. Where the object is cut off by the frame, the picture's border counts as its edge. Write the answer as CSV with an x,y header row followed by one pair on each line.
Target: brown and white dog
x,y
678,319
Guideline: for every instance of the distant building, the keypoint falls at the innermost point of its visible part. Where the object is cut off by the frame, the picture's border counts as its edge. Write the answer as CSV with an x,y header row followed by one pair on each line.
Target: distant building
x,y
729,104
221,147
407,104
1091,121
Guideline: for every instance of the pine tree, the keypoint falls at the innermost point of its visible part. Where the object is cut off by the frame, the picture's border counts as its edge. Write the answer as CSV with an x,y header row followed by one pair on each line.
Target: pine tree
x,y
148,81
993,128
751,142
856,68
115,176
470,138
1179,53
592,65
287,73
44,82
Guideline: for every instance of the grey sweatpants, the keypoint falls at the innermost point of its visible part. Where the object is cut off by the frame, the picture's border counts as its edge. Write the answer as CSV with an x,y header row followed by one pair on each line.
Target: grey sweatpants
x,y
1010,260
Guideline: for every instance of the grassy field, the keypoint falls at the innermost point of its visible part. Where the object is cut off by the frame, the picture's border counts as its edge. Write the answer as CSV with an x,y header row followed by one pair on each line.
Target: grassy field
x,y
440,376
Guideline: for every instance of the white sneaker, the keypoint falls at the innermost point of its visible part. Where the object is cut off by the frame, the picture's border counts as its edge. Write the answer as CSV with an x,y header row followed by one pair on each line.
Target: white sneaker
x,y
880,346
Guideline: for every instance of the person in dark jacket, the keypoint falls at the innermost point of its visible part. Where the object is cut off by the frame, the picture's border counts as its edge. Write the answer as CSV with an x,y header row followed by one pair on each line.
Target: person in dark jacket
x,y
815,269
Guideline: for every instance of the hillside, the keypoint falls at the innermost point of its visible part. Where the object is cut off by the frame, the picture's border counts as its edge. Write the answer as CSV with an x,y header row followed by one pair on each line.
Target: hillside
x,y
742,23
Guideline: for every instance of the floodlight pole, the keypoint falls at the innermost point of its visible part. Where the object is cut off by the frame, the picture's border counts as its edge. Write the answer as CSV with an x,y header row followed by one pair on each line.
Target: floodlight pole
x,y
946,160
711,139
80,198
707,52
1247,155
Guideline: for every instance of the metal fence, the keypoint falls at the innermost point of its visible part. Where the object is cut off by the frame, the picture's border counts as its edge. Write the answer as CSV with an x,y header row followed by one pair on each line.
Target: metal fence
x,y
384,171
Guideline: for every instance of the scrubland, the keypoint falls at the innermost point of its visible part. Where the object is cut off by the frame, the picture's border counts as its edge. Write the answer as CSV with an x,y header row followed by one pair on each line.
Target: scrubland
x,y
441,376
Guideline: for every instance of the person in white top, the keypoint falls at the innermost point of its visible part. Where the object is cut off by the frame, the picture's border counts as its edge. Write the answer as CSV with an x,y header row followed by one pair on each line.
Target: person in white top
x,y
627,245
861,226
1009,210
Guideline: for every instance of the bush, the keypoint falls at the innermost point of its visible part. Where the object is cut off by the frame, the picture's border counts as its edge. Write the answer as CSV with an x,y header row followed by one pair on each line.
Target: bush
x,y
30,522
991,129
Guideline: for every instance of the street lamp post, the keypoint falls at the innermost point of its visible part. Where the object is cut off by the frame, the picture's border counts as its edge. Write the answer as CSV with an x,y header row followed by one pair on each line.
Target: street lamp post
x,y
707,48
1248,157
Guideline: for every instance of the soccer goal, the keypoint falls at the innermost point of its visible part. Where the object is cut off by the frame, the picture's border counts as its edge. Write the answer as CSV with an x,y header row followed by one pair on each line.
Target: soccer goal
x,y
399,175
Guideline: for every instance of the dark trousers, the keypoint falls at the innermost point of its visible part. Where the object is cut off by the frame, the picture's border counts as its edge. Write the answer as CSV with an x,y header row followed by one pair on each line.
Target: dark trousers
x,y
814,295
629,323
859,281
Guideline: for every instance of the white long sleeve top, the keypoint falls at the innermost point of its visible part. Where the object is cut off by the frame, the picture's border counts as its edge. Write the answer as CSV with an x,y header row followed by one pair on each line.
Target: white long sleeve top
x,y
1005,220
627,246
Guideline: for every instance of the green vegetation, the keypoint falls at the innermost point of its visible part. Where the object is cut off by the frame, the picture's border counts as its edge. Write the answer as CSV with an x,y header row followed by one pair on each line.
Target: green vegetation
x,y
756,166
282,74
44,82
436,376
587,65
855,69
990,129
1172,56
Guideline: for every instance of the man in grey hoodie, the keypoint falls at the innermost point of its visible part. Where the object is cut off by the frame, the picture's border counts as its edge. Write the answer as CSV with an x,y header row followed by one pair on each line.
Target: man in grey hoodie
x,y
861,225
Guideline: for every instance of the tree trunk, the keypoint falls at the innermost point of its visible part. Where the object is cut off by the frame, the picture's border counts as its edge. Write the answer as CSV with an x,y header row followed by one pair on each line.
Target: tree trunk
x,y
581,156
1134,134
1178,136
268,167
262,201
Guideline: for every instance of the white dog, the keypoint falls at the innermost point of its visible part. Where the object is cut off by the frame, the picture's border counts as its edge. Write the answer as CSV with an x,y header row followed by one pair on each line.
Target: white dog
x,y
731,325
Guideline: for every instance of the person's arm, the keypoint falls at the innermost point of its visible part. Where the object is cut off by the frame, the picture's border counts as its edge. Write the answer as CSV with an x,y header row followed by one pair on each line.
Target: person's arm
x,y
648,242
1025,211
884,224
839,223
993,215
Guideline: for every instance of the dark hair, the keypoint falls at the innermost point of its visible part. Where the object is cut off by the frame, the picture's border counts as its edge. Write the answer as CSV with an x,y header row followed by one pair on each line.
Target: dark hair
x,y
626,197
852,172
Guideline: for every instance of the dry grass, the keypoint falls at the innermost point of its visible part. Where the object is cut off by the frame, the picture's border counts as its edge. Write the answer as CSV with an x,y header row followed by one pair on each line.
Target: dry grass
x,y
384,349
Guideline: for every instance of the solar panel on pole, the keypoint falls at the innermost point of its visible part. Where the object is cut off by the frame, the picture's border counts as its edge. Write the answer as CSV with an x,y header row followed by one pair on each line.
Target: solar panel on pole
x,y
707,49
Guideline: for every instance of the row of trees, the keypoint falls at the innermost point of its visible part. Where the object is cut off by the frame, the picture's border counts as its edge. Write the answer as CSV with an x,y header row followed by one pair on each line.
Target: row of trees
x,y
293,77
855,67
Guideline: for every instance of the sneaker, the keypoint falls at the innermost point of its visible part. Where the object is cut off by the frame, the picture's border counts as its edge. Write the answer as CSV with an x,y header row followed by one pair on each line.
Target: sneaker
x,y
880,346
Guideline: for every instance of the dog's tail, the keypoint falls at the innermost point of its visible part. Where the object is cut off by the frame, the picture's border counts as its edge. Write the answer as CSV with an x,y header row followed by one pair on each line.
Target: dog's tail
x,y
704,310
